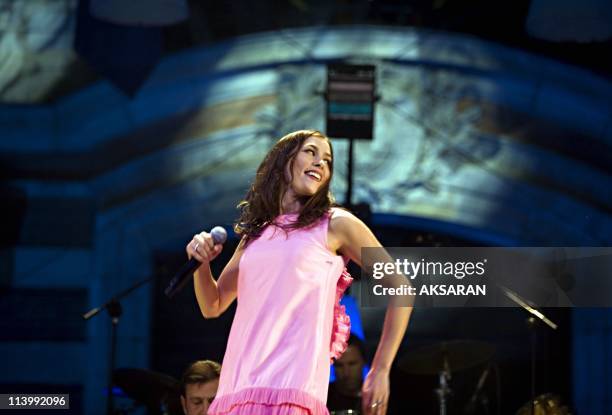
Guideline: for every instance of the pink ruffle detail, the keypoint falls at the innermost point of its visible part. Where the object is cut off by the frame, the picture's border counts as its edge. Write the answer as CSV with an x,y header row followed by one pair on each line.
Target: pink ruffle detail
x,y
267,396
342,322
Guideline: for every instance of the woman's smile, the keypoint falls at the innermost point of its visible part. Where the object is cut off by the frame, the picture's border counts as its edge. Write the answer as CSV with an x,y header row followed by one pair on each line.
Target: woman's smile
x,y
311,167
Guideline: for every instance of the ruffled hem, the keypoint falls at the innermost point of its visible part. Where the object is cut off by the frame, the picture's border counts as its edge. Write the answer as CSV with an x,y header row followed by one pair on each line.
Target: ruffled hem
x,y
341,330
267,396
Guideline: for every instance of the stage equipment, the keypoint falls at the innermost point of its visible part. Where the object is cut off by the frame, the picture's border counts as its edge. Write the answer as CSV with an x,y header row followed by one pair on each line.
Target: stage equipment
x,y
157,391
546,404
535,315
442,359
350,99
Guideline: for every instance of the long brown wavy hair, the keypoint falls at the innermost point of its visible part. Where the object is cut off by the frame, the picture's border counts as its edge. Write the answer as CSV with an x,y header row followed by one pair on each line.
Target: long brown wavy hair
x,y
262,202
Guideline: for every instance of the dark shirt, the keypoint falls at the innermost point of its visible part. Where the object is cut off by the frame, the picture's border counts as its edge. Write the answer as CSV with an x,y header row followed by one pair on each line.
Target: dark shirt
x,y
337,401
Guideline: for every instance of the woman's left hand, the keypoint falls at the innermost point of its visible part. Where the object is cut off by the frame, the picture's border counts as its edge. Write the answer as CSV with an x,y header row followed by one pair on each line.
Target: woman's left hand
x,y
375,392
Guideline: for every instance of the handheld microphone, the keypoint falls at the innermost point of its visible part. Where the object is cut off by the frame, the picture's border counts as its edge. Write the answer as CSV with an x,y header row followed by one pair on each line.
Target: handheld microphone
x,y
219,236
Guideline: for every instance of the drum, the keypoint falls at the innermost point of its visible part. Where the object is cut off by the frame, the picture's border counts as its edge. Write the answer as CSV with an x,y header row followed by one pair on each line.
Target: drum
x,y
547,404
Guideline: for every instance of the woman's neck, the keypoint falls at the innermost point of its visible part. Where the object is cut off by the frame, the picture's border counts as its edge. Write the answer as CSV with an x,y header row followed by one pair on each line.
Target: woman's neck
x,y
289,204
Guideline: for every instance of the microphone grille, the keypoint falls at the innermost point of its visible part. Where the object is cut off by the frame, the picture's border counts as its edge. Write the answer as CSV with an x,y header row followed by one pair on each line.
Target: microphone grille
x,y
219,235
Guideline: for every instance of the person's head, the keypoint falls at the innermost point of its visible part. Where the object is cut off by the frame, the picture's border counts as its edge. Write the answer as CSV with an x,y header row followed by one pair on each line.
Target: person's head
x,y
298,168
349,367
199,386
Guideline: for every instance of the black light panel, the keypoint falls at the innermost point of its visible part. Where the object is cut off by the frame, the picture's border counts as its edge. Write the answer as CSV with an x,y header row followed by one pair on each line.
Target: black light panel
x,y
350,101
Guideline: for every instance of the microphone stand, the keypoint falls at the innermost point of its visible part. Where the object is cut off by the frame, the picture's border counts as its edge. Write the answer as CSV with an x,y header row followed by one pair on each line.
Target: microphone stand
x,y
114,309
535,315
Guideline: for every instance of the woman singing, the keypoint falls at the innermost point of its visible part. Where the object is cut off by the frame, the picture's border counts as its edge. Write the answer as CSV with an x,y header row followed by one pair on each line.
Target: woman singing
x,y
288,273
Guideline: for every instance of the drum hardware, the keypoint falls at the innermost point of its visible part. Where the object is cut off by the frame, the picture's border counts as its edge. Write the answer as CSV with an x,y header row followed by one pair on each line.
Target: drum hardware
x,y
535,315
442,359
546,404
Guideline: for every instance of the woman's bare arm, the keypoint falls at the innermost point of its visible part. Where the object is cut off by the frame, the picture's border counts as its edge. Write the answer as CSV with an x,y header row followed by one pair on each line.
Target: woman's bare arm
x,y
214,297
351,234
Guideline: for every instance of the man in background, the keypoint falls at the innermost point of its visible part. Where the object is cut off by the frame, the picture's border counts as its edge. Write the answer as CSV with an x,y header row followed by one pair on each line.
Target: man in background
x,y
345,392
199,386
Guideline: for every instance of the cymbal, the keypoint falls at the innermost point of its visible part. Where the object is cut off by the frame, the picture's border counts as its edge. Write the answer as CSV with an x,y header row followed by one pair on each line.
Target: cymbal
x,y
146,386
458,354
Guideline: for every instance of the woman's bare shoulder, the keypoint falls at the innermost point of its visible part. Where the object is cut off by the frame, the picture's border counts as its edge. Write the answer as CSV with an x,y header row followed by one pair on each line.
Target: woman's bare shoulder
x,y
338,212
341,220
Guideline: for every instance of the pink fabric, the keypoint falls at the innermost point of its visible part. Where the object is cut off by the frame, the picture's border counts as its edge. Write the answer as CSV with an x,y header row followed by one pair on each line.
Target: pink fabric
x,y
267,401
279,347
341,330
261,409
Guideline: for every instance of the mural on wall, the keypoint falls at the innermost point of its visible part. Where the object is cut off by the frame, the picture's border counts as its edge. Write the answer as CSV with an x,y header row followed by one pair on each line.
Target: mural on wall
x,y
35,47
446,147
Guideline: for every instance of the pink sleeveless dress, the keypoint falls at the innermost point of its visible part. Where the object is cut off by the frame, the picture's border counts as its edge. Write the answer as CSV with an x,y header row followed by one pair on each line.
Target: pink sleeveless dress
x,y
288,324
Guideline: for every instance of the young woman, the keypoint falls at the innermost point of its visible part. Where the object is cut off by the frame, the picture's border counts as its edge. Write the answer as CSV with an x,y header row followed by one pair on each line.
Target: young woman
x,y
288,273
